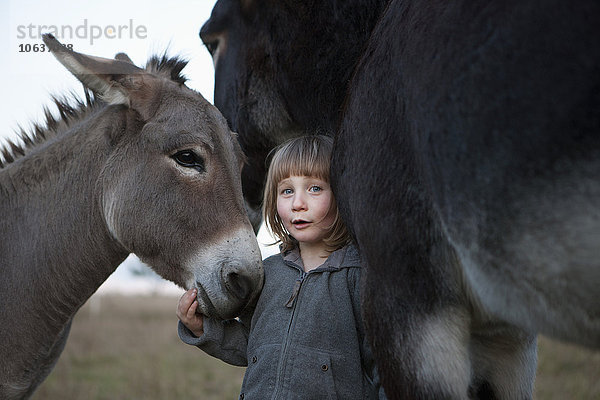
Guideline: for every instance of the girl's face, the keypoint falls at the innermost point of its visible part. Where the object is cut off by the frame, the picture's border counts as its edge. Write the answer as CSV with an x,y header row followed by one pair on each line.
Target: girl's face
x,y
305,205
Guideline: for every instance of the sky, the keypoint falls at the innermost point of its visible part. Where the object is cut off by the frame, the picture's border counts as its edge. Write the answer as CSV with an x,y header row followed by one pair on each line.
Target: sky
x,y
104,28
138,28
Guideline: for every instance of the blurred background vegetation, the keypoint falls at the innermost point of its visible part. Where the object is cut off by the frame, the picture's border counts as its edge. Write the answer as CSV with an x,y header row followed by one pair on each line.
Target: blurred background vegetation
x,y
126,347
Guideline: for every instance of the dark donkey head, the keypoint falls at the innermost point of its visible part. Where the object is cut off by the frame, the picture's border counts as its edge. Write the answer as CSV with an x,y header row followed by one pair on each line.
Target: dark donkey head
x,y
170,190
282,69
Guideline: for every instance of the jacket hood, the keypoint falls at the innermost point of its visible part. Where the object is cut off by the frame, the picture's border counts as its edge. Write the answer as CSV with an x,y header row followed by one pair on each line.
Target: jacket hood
x,y
345,257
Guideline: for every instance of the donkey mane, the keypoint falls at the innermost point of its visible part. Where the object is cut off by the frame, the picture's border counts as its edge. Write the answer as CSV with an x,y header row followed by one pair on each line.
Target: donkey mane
x,y
170,67
72,108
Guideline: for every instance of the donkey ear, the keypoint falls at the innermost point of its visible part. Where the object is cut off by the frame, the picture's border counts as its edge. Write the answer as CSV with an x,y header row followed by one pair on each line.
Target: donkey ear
x,y
123,57
116,81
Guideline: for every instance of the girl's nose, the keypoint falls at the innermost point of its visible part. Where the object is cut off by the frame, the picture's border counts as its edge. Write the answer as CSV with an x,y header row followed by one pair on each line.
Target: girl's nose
x,y
298,203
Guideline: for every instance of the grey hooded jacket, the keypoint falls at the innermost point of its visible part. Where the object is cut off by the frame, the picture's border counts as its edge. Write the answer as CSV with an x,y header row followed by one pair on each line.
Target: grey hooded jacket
x,y
305,339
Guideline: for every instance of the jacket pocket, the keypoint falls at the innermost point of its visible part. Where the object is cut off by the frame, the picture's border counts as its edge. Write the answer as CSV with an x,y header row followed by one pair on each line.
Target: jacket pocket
x,y
312,375
259,379
326,375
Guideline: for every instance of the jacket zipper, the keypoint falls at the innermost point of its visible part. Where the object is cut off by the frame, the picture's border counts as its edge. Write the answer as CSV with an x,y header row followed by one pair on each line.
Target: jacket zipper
x,y
291,303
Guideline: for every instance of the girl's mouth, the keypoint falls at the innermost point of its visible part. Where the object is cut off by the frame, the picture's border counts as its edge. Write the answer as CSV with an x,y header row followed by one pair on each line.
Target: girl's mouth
x,y
300,223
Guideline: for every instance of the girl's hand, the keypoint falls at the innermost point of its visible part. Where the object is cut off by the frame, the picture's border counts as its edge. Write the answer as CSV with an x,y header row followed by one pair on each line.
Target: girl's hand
x,y
186,312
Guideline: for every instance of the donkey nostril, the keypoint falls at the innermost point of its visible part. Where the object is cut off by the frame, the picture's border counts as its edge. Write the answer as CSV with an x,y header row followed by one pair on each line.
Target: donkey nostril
x,y
239,285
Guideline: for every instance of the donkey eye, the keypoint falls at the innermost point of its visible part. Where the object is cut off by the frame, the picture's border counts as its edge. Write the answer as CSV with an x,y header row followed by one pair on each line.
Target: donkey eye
x,y
189,159
212,46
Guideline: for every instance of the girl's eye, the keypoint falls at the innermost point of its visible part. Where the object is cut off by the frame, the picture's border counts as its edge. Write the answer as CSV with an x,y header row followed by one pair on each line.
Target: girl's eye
x,y
189,159
286,191
315,189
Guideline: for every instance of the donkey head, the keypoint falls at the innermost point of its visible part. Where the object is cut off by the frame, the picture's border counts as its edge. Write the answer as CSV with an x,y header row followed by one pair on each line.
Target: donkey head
x,y
170,189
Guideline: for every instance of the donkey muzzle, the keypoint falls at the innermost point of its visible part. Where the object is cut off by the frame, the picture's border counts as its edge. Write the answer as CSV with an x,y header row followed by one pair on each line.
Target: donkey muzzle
x,y
231,290
229,275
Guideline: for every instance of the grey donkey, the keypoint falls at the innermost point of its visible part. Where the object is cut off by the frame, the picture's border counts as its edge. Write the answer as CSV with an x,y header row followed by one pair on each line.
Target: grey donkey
x,y
152,169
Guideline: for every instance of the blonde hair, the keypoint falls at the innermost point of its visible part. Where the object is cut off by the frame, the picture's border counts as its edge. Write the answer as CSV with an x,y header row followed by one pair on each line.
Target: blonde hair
x,y
303,156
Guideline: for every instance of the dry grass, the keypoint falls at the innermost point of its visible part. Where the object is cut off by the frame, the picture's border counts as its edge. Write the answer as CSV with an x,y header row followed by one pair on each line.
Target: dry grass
x,y
127,348
567,372
123,347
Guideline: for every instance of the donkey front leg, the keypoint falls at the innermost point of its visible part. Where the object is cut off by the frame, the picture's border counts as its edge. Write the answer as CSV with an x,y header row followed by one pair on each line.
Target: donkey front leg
x,y
426,357
419,328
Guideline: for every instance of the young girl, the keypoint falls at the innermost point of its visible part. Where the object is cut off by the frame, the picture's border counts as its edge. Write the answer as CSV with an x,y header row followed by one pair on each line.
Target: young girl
x,y
305,339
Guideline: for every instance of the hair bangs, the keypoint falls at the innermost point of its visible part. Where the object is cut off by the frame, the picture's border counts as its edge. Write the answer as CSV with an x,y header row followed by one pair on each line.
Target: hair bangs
x,y
301,158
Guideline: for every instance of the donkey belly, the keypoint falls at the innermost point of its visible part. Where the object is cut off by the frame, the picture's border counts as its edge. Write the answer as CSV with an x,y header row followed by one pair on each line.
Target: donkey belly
x,y
540,267
511,152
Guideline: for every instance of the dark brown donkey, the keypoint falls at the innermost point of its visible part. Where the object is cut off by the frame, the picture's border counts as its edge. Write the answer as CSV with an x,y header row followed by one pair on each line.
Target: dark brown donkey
x,y
466,164
152,169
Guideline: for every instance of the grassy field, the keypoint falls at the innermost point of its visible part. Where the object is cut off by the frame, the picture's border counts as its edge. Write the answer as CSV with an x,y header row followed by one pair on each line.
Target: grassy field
x,y
124,347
